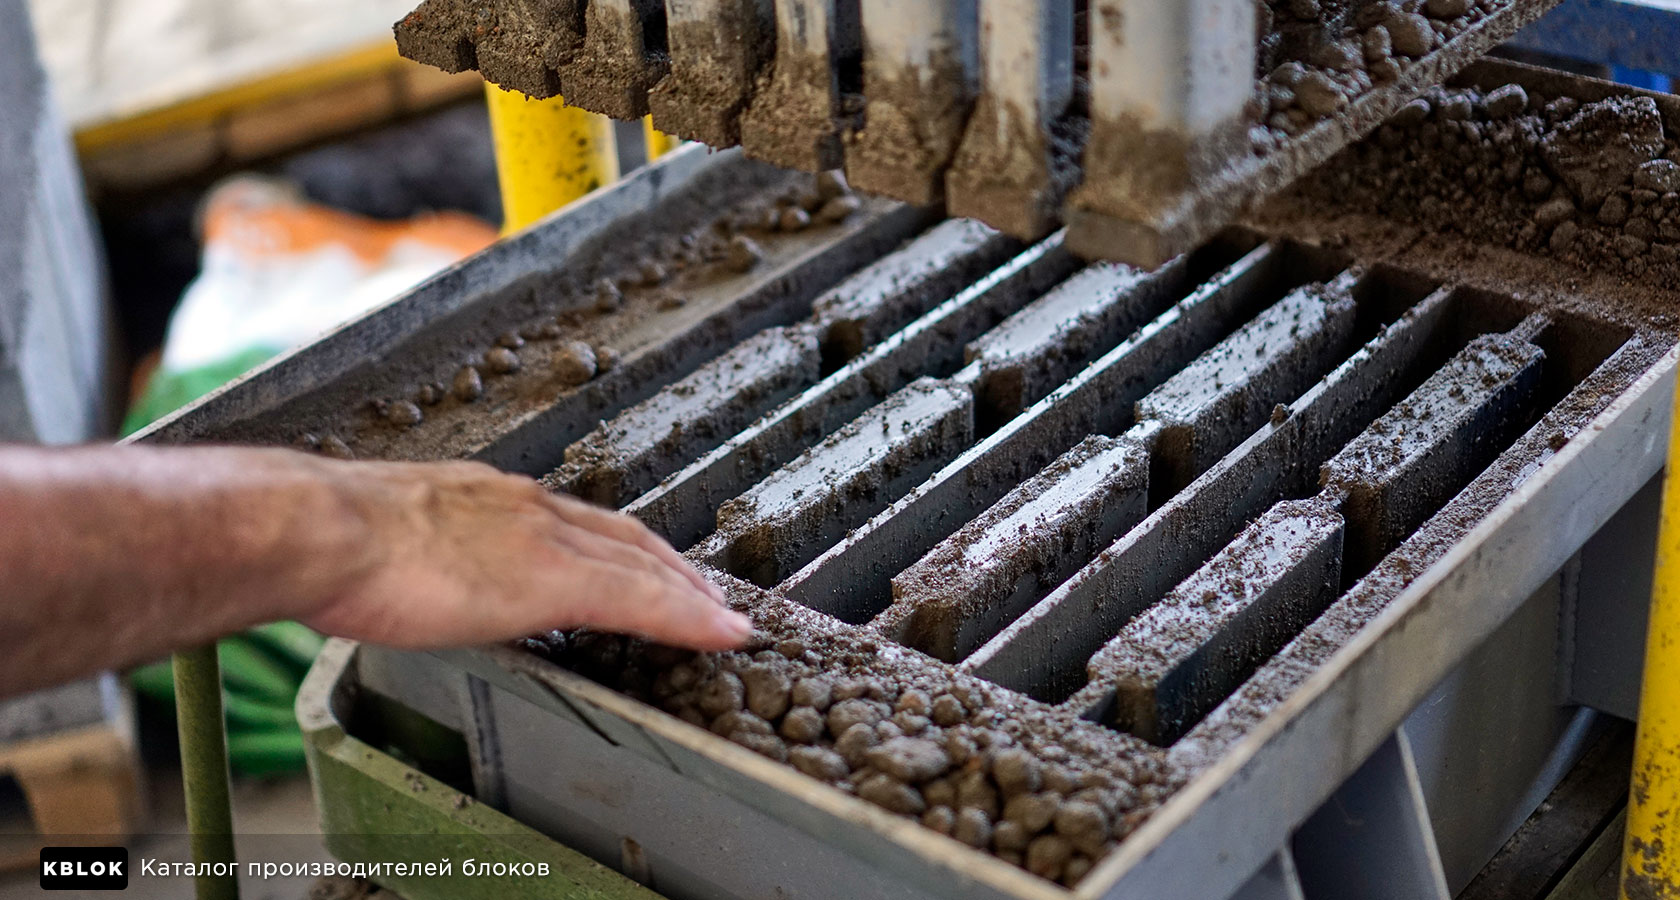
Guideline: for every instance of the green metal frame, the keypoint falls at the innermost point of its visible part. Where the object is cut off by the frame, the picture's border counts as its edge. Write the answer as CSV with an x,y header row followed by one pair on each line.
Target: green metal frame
x,y
376,809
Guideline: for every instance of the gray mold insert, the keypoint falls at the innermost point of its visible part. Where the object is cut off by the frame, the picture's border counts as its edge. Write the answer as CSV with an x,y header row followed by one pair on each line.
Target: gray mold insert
x,y
1419,454
1214,403
628,455
1181,657
801,510
794,120
717,49
622,58
992,570
891,293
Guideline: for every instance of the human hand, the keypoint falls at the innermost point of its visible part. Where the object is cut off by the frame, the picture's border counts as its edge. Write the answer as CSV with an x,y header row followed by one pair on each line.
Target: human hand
x,y
459,553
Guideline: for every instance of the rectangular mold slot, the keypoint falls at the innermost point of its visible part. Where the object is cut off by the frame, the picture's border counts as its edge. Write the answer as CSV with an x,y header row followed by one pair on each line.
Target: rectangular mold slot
x,y
1225,394
996,566
1414,458
851,581
1181,657
805,507
1044,653
683,508
903,286
624,457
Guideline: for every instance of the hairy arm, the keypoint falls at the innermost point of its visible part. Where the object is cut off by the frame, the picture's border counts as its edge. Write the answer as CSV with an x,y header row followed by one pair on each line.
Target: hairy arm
x,y
111,556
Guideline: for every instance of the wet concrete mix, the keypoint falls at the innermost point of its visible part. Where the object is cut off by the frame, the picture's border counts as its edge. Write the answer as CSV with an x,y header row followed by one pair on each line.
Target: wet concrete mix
x,y
1037,787
1593,184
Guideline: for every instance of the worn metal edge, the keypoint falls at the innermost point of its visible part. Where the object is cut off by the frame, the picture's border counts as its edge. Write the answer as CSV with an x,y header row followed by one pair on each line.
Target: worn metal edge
x,y
902,846
343,771
461,286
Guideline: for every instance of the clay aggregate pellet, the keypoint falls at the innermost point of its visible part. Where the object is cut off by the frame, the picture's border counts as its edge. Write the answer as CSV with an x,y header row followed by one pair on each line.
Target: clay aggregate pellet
x,y
502,361
467,385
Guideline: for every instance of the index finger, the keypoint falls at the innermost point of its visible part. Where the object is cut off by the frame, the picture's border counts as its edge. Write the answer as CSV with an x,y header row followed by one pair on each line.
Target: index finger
x,y
630,530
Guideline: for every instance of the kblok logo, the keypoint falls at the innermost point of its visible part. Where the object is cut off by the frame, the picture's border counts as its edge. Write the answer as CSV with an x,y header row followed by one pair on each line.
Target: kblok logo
x,y
84,868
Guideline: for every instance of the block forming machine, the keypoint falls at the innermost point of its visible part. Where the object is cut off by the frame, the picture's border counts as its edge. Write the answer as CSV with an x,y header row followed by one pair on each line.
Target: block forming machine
x,y
1300,556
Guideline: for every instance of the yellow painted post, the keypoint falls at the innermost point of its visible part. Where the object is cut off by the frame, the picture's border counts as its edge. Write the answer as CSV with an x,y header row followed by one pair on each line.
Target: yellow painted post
x,y
1651,856
547,154
658,142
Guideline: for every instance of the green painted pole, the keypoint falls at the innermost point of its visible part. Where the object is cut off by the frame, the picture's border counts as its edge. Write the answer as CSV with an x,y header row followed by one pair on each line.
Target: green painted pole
x,y
204,770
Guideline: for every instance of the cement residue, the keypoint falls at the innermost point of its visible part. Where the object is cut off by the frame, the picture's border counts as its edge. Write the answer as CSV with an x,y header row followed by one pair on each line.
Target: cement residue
x,y
529,41
516,43
913,121
988,767
1596,185
714,66
439,33
623,56
795,119
1011,176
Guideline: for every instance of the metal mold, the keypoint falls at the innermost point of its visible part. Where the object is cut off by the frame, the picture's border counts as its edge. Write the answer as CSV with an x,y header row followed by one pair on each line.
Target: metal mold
x,y
912,413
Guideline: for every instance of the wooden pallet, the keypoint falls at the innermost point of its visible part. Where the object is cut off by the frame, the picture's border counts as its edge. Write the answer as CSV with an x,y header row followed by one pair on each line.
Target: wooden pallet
x,y
79,787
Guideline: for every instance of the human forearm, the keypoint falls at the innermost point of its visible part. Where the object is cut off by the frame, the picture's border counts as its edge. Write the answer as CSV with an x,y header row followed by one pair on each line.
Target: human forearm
x,y
112,556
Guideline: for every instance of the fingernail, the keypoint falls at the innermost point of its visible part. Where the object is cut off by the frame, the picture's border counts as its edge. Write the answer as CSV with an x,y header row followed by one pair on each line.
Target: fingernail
x,y
734,625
